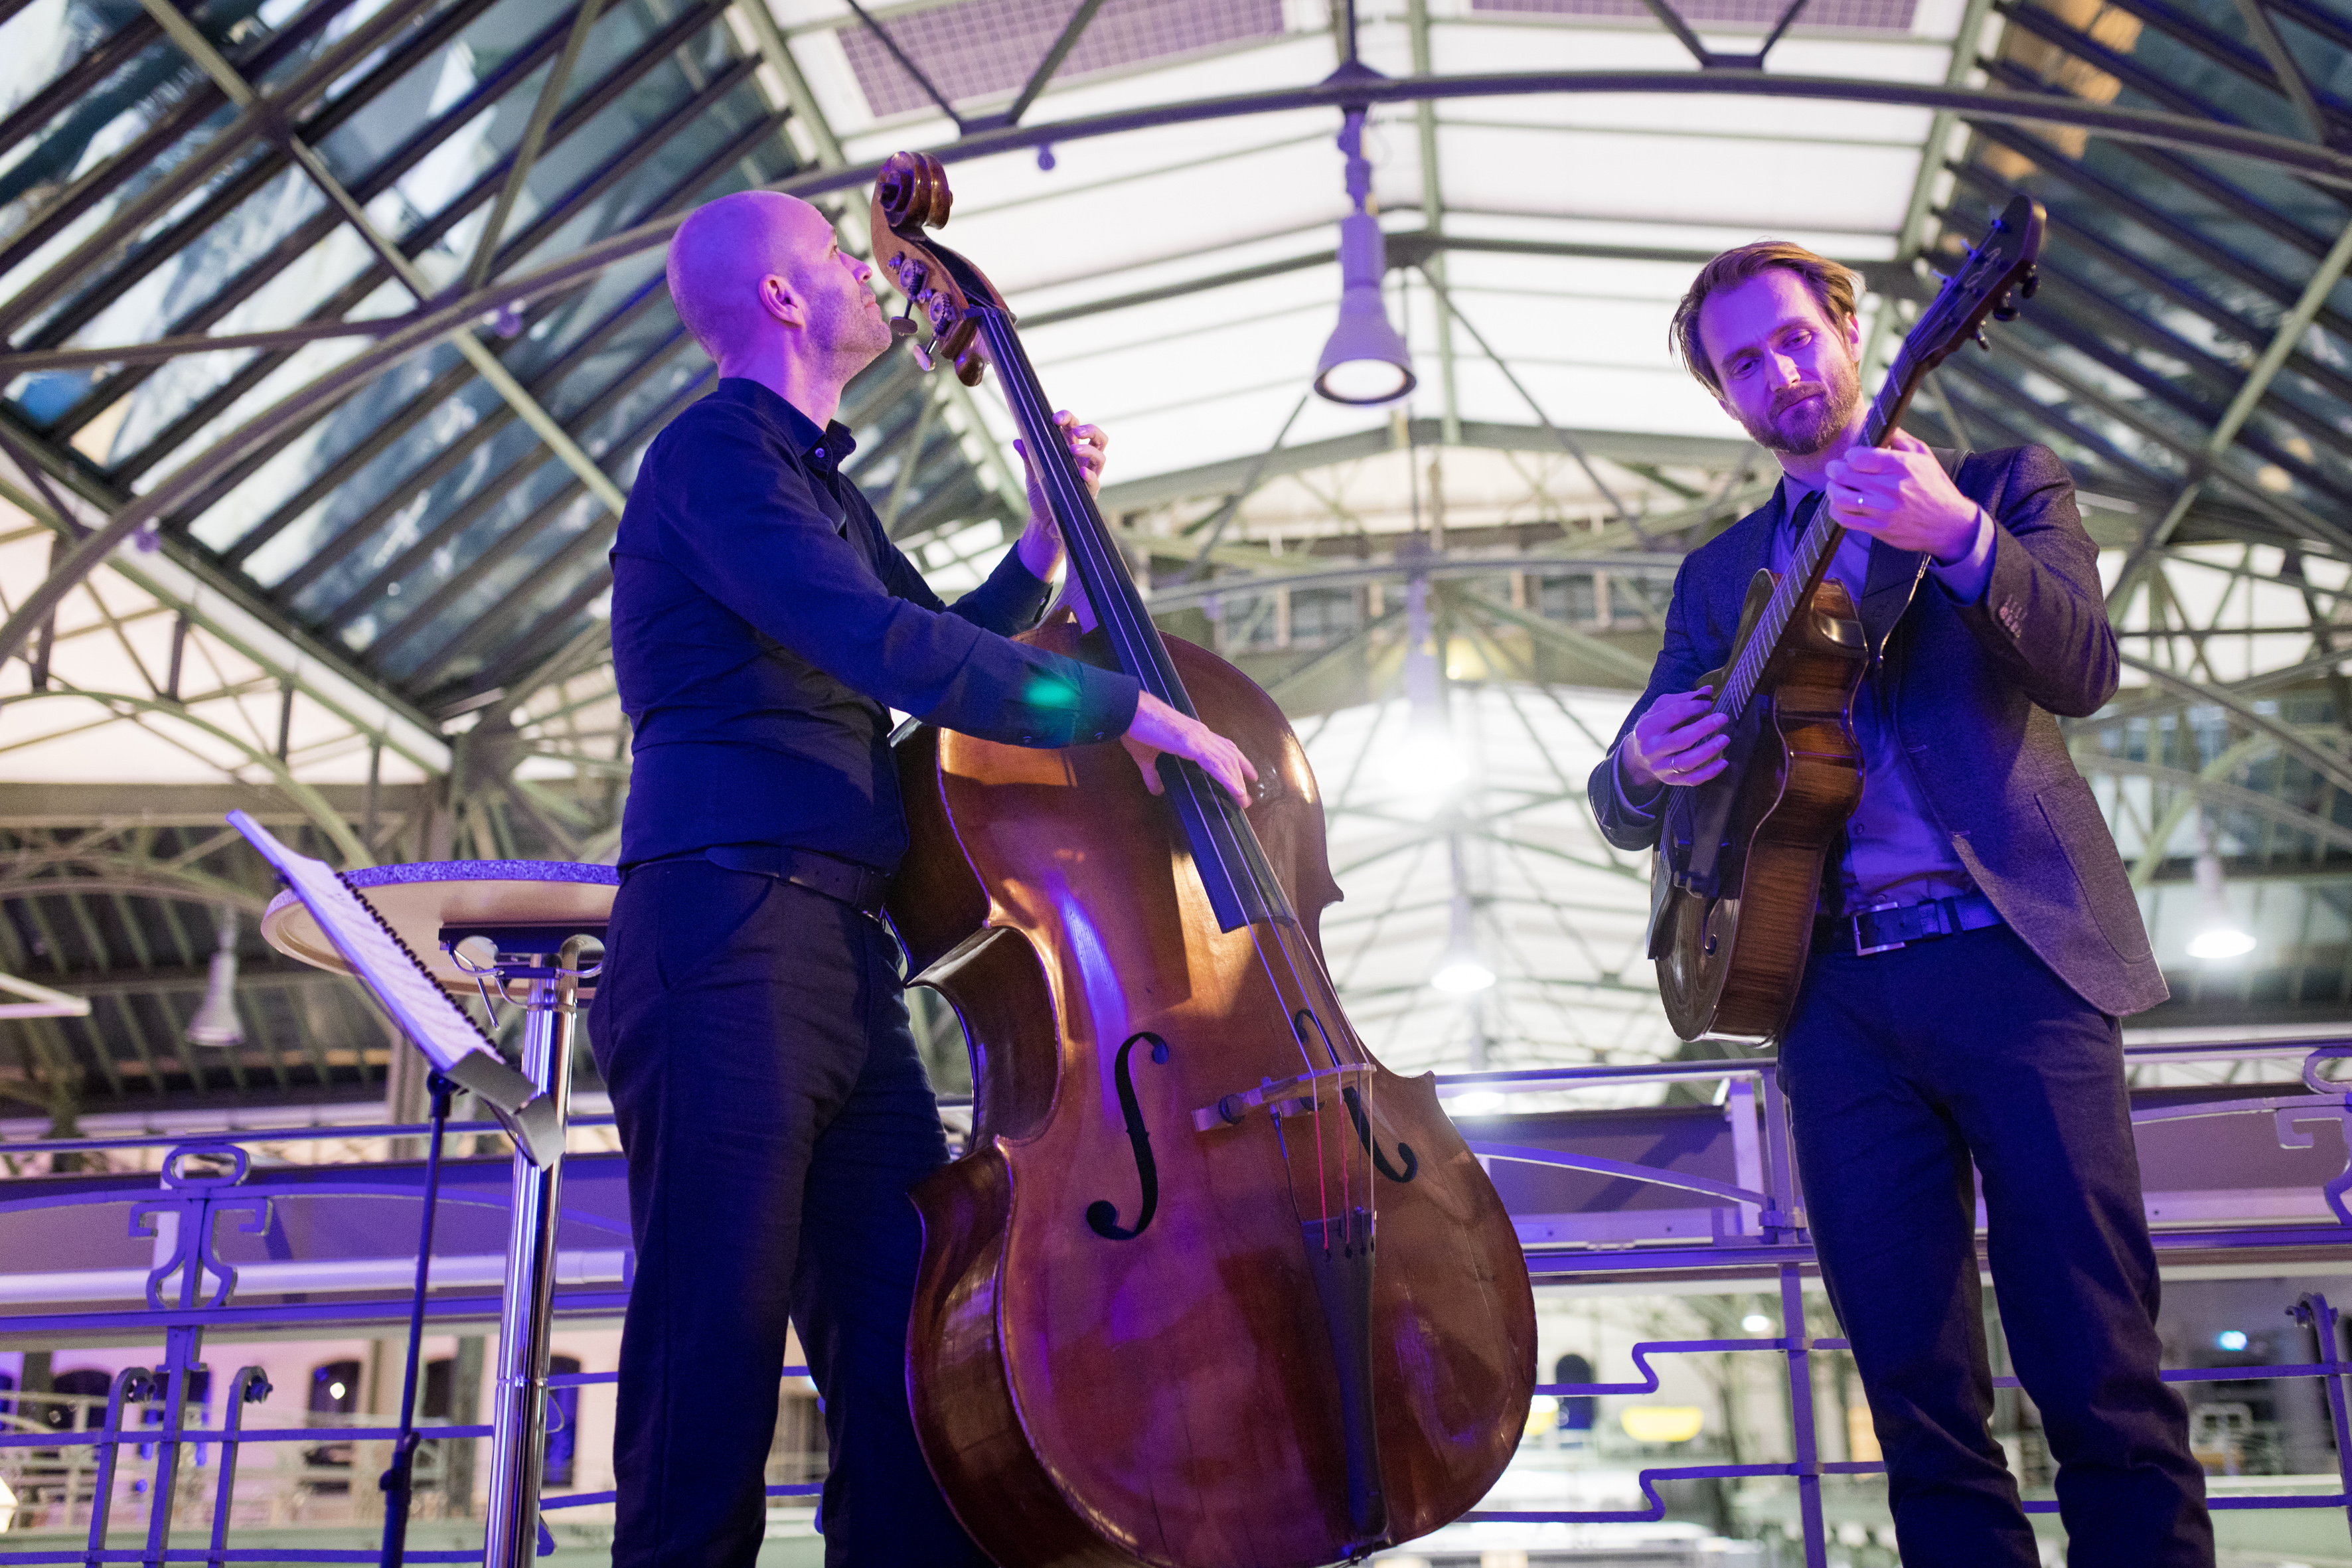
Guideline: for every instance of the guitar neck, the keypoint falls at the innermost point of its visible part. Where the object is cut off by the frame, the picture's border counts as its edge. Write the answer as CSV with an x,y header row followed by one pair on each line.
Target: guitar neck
x,y
1809,563
1242,886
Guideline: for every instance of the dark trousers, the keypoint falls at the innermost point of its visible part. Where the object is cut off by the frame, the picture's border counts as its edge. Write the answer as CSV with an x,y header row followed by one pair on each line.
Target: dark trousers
x,y
774,1113
1902,1069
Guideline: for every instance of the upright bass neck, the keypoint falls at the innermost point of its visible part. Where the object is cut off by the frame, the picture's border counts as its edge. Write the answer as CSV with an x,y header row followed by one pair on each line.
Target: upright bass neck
x,y
962,304
1242,886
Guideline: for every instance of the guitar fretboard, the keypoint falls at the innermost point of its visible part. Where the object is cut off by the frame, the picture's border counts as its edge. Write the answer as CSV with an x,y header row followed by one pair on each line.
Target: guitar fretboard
x,y
1808,561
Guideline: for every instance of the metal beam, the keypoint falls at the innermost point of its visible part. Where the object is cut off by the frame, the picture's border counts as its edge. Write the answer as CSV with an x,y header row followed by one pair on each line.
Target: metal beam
x,y
326,817
1445,303
171,348
1432,219
906,64
1052,62
322,676
301,241
456,317
197,48
2330,765
2249,395
2292,83
534,135
149,151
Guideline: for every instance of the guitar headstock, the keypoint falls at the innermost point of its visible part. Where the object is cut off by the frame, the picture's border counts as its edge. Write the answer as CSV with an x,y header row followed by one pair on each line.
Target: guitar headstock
x,y
1997,273
912,195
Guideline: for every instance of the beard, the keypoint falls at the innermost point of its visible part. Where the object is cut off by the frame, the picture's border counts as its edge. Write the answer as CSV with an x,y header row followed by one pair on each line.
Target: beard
x,y
1801,428
855,334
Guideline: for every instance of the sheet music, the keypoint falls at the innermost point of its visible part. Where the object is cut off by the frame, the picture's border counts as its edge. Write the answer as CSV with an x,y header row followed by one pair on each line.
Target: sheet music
x,y
382,963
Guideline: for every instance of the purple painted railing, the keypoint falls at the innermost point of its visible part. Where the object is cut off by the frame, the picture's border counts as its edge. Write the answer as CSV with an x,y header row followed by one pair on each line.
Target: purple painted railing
x,y
202,1182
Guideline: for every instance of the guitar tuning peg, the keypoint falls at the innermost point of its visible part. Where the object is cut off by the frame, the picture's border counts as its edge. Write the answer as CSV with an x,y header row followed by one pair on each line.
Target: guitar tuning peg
x,y
2004,312
922,353
2032,281
1982,341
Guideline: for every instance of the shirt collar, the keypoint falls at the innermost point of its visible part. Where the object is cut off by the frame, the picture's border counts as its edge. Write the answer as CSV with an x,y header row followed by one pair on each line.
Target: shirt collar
x,y
826,450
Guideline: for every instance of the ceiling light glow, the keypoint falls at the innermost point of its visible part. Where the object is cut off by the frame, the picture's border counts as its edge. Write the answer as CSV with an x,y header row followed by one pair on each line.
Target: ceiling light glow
x,y
2220,942
1463,975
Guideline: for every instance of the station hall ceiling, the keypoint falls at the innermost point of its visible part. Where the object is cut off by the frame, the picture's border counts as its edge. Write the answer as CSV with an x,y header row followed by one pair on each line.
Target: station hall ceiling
x,y
331,332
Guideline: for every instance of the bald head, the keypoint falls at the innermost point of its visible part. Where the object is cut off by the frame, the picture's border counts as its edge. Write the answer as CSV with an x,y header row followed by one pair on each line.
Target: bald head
x,y
760,274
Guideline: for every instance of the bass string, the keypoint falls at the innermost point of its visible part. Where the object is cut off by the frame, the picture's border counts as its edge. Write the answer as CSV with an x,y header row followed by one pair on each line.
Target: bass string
x,y
1350,1147
1059,470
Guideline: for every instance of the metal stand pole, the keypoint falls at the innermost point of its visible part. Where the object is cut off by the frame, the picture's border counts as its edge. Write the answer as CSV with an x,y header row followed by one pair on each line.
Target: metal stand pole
x,y
398,1481
518,1417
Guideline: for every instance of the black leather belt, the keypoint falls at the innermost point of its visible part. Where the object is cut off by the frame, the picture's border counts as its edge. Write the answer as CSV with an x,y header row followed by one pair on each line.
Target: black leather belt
x,y
845,881
1890,926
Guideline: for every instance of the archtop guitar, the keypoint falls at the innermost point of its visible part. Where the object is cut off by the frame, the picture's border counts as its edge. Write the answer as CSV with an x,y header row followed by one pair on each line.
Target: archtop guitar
x,y
1738,865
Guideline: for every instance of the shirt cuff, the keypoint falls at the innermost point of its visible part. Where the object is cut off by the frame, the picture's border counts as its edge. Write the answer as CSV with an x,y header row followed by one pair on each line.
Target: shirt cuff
x,y
1625,791
1965,579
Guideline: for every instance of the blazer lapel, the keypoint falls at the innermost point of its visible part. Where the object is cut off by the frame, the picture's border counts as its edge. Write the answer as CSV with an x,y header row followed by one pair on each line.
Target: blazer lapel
x,y
1749,549
1894,574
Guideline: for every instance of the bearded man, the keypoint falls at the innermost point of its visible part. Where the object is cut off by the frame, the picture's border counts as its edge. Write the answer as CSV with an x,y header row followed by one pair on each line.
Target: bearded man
x,y
750,1021
1977,941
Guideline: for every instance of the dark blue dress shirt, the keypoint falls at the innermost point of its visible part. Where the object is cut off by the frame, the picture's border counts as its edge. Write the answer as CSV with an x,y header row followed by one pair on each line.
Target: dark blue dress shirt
x,y
763,625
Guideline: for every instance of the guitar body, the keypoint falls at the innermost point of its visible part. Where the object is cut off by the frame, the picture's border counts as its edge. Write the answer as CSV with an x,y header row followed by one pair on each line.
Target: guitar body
x,y
1738,873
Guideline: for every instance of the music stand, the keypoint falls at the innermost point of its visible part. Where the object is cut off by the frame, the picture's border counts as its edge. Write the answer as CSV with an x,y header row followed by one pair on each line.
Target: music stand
x,y
542,919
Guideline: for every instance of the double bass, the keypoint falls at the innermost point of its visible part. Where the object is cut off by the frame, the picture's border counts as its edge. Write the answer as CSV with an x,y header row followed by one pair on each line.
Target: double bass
x,y
1738,872
1210,1287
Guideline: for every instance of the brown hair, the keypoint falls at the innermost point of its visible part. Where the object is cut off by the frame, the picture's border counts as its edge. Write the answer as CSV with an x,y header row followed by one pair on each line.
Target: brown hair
x,y
1832,284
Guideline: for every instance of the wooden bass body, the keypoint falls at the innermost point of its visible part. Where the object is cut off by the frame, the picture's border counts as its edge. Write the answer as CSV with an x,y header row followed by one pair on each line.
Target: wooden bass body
x,y
1163,1387
1737,874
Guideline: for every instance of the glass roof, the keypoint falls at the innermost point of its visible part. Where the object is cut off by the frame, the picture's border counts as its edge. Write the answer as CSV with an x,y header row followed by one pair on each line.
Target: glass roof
x,y
426,550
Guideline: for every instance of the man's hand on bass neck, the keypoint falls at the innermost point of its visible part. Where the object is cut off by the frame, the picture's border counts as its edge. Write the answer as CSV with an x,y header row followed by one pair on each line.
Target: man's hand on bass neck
x,y
1156,727
1041,541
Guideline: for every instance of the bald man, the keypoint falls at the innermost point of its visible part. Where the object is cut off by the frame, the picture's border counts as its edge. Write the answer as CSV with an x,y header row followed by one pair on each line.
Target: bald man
x,y
750,1021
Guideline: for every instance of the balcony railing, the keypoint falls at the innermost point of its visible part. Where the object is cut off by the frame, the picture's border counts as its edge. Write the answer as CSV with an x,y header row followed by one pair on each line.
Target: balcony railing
x,y
142,1459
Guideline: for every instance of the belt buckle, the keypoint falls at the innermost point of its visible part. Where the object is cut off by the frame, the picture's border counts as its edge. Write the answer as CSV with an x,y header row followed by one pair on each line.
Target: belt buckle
x,y
1862,952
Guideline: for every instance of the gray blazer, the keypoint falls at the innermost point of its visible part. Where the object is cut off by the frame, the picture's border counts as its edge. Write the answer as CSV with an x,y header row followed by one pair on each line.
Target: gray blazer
x,y
1976,686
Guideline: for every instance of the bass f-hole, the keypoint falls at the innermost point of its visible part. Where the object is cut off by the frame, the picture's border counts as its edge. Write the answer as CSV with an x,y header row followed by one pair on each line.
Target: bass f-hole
x,y
1102,1215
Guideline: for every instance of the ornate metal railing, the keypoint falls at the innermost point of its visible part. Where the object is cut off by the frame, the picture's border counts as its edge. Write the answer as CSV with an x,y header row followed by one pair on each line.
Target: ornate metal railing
x,y
1758,1231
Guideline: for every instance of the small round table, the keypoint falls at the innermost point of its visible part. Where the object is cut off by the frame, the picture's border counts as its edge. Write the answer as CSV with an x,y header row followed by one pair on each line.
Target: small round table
x,y
524,906
534,912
